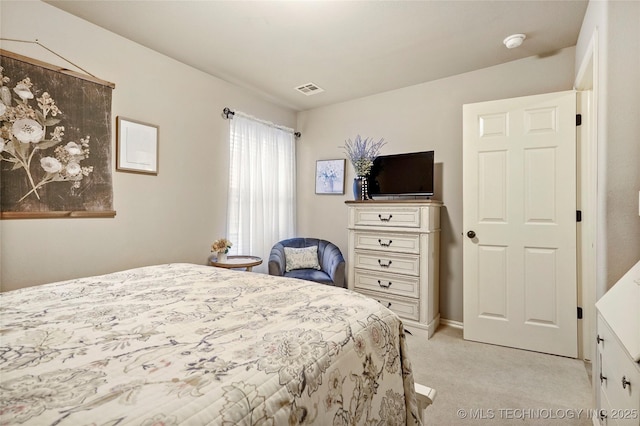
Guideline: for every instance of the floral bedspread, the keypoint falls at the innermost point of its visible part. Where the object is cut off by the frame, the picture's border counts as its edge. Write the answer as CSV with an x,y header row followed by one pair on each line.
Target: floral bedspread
x,y
194,345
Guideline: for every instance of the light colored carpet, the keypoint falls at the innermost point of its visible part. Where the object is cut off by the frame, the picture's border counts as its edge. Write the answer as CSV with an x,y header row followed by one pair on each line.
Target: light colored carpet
x,y
481,384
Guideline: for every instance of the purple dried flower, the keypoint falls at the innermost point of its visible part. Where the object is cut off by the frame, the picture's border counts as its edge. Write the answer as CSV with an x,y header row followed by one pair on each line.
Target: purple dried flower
x,y
362,152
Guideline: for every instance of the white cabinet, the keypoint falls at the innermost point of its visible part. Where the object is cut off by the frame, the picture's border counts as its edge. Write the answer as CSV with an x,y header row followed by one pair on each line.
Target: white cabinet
x,y
617,373
394,258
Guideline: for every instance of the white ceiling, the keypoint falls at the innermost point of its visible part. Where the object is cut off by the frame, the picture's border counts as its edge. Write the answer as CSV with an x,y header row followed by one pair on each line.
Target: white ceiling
x,y
350,49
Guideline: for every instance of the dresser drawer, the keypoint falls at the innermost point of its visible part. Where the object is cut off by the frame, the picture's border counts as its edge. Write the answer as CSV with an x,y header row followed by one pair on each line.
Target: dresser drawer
x,y
388,242
403,307
627,398
390,217
388,284
388,262
604,412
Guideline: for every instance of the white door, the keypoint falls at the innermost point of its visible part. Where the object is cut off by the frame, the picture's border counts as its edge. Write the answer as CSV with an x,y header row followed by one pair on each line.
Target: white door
x,y
519,190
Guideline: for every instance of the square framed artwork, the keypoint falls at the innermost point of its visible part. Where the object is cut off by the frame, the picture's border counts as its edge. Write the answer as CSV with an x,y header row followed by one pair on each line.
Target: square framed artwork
x,y
136,146
330,176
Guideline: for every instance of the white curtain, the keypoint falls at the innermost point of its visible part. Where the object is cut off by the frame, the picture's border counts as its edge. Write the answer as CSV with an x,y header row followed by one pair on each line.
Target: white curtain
x,y
262,171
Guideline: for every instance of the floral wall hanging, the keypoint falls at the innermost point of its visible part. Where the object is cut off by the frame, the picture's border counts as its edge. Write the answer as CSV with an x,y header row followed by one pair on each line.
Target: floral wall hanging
x,y
55,141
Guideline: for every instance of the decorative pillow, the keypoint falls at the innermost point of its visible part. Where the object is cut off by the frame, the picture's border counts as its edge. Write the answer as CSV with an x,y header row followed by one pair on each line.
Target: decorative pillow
x,y
301,258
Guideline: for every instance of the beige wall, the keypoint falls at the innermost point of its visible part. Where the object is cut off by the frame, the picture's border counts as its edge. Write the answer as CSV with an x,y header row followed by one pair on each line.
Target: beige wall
x,y
623,138
615,24
417,118
171,217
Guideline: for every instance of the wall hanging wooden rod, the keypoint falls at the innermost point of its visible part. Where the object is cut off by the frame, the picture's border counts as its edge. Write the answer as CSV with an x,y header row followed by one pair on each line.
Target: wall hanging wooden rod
x,y
86,76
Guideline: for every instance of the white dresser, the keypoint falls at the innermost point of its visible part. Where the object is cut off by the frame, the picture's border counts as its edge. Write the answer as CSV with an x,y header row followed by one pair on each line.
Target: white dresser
x,y
617,372
394,258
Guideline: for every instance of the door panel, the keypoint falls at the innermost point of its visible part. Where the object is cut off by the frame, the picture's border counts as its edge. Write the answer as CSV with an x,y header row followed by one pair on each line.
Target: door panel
x,y
492,279
519,180
540,286
492,177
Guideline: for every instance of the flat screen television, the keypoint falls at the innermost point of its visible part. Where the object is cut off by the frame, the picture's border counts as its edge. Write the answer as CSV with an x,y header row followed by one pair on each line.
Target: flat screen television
x,y
402,175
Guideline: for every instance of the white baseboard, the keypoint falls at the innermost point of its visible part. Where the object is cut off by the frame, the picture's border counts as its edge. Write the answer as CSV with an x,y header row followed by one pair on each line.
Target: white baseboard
x,y
451,323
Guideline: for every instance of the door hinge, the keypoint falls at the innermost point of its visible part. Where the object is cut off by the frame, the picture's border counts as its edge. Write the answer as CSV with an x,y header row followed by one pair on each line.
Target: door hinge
x,y
578,119
579,312
578,215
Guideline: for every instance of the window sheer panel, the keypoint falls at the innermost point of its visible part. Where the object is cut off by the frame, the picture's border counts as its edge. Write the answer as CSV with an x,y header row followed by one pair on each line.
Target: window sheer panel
x,y
261,205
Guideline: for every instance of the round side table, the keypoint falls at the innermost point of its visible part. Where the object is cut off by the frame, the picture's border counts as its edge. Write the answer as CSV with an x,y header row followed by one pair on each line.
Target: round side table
x,y
232,262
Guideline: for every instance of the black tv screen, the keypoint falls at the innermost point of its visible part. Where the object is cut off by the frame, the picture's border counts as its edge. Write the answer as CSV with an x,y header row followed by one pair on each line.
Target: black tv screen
x,y
409,174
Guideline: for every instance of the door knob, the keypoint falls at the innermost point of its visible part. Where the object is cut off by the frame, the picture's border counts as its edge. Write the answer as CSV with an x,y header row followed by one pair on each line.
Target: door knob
x,y
471,234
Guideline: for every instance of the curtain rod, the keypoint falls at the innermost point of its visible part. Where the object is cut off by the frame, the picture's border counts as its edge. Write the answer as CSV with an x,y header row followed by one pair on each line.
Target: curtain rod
x,y
227,114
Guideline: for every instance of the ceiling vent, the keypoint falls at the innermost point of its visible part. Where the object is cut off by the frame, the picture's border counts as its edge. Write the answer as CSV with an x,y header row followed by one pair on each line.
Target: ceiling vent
x,y
309,89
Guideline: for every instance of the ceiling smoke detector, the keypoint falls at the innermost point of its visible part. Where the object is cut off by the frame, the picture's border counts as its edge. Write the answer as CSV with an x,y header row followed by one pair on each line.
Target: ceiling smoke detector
x,y
514,40
309,89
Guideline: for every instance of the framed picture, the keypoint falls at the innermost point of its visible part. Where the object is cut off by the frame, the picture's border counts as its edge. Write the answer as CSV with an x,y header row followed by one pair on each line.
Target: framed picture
x,y
330,176
136,146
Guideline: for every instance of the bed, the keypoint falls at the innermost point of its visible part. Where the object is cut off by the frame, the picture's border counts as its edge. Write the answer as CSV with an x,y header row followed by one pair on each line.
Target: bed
x,y
191,344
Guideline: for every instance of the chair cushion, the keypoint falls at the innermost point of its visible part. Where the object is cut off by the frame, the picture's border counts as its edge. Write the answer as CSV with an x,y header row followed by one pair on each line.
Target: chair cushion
x,y
301,258
310,275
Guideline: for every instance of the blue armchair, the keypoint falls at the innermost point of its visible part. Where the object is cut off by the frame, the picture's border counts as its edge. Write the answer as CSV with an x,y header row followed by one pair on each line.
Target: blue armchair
x,y
330,260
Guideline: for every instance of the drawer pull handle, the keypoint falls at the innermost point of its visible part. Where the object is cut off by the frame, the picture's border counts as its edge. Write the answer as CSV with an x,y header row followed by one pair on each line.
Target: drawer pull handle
x,y
384,265
625,382
602,378
599,339
384,286
385,219
603,415
388,304
385,244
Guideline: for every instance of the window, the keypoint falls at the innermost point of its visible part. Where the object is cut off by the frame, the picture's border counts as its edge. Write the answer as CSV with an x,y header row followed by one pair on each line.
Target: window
x,y
261,201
